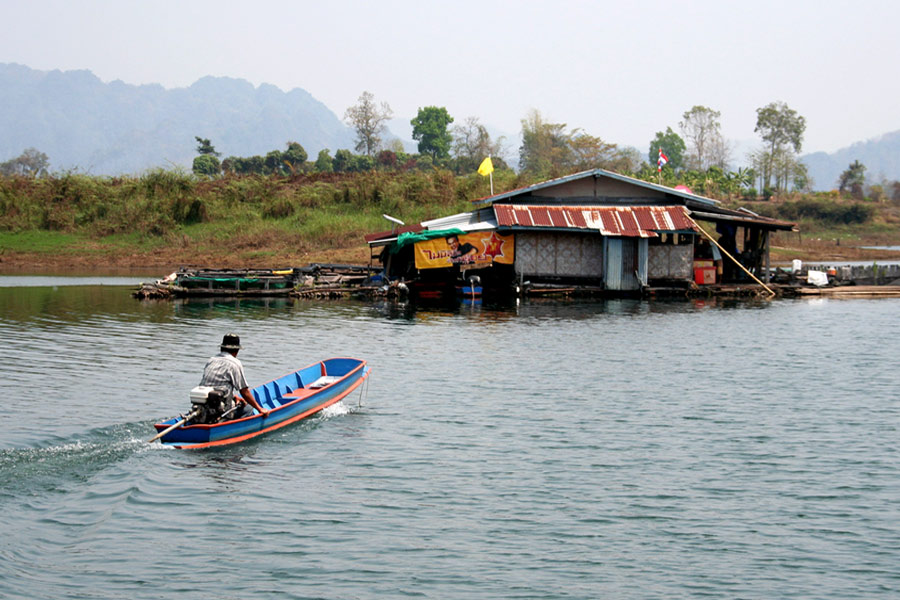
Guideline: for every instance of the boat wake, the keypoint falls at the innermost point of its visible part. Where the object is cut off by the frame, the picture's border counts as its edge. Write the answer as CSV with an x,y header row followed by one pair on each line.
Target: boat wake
x,y
337,409
56,464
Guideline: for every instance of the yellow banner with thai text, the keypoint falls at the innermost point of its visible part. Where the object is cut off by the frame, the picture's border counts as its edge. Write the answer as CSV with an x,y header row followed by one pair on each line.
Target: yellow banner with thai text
x,y
469,251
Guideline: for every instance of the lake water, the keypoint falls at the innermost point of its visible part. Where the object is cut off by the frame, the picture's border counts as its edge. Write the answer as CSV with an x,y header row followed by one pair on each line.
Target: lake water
x,y
617,449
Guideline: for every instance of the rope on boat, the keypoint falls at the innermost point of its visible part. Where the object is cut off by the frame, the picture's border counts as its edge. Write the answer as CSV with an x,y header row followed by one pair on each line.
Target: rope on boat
x,y
361,389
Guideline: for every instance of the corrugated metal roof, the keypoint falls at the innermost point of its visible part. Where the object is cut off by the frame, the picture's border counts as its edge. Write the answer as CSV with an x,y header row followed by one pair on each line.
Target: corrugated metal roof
x,y
701,200
620,221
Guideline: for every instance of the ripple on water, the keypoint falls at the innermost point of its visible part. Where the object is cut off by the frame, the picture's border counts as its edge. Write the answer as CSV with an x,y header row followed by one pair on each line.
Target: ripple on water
x,y
611,449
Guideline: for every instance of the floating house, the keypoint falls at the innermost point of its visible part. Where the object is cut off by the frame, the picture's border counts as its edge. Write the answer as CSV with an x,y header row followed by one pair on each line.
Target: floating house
x,y
597,230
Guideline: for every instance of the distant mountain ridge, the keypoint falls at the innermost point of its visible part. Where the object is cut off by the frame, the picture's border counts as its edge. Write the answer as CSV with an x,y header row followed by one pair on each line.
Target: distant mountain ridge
x,y
880,155
116,128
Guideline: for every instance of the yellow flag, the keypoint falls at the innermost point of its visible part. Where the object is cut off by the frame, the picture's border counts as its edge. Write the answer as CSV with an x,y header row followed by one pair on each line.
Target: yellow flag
x,y
486,168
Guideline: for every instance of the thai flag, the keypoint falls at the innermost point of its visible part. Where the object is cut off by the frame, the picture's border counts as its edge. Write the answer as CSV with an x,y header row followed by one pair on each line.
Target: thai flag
x,y
663,159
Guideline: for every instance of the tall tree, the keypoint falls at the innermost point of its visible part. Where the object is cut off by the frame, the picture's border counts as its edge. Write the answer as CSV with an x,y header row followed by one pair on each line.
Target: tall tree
x,y
31,162
324,162
781,128
672,146
472,144
294,157
591,152
702,130
368,120
853,179
545,149
430,130
205,147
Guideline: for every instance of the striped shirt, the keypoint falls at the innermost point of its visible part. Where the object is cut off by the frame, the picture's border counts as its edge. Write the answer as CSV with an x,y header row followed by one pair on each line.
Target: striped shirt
x,y
225,372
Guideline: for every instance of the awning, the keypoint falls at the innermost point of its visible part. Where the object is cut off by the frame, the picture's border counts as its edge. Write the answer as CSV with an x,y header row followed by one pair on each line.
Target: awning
x,y
743,218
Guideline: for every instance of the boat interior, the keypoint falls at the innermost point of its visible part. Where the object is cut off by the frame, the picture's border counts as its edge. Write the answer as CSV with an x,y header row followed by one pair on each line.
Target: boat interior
x,y
302,383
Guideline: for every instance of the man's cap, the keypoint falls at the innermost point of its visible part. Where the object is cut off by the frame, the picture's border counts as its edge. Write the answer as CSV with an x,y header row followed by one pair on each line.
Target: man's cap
x,y
231,342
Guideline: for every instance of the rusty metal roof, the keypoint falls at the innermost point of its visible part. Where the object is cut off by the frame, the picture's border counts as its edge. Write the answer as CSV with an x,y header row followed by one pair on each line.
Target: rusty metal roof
x,y
619,221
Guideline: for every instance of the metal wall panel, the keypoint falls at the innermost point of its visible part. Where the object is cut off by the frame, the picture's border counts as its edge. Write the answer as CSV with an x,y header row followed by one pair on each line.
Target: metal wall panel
x,y
622,268
643,245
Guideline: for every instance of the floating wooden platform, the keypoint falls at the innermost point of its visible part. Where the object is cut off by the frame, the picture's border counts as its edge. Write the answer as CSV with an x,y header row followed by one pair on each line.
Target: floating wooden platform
x,y
852,291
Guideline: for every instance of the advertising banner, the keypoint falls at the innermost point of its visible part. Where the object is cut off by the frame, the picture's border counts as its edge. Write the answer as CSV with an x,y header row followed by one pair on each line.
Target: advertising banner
x,y
468,250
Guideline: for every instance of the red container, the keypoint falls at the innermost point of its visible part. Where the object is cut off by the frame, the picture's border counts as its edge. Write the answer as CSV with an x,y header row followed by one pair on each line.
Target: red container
x,y
704,275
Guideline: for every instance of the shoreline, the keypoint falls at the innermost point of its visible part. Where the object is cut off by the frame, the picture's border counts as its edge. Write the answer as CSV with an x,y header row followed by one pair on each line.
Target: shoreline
x,y
163,262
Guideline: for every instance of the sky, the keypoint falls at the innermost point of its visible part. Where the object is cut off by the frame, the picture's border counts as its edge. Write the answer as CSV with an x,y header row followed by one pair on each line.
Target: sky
x,y
618,70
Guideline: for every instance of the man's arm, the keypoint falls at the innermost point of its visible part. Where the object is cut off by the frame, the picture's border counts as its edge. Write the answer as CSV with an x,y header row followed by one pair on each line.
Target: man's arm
x,y
249,399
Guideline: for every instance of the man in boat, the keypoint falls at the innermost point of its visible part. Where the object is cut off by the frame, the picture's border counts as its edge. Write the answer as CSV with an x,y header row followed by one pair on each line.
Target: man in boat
x,y
226,373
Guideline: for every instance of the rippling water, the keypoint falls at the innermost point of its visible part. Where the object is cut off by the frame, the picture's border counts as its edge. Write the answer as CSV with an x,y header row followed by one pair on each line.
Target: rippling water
x,y
615,449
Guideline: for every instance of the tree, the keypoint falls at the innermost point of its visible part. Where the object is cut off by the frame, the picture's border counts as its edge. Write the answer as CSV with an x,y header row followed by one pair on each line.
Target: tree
x,y
548,150
204,147
342,162
387,159
701,128
368,120
672,146
430,130
781,128
206,164
294,157
591,152
324,162
853,179
253,165
31,162
274,163
472,144
545,149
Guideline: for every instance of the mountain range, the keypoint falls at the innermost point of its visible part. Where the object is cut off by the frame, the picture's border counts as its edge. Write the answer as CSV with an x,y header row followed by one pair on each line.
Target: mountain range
x,y
115,128
81,123
880,155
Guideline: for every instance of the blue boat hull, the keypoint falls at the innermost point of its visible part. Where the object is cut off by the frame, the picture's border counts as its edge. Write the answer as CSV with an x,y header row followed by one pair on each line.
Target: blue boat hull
x,y
290,398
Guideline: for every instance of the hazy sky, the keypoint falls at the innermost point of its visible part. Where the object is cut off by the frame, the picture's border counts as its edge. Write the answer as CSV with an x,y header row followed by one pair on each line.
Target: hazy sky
x,y
618,70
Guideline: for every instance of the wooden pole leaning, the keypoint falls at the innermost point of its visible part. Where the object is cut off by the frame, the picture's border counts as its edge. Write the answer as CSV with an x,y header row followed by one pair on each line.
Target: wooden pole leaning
x,y
190,415
733,259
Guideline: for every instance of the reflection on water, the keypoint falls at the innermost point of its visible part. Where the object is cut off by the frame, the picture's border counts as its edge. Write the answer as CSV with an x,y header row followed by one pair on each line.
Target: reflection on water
x,y
20,281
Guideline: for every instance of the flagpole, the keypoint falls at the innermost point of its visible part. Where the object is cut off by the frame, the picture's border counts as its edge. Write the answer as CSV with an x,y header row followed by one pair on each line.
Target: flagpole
x,y
487,168
492,178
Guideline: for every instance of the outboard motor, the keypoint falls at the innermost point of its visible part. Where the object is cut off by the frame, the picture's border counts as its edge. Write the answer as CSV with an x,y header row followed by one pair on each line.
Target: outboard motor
x,y
209,404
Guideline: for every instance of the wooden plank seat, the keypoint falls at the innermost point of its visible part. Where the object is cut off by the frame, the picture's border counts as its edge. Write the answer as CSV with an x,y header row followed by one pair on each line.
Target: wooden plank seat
x,y
298,393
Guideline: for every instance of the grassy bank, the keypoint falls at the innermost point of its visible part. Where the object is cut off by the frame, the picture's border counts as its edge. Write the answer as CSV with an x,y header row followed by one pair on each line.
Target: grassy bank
x,y
167,219
172,218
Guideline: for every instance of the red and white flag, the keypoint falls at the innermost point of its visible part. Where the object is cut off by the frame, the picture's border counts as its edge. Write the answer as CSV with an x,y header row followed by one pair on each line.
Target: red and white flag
x,y
663,159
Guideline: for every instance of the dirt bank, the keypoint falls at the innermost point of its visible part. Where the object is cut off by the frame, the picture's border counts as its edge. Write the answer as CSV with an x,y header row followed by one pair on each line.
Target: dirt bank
x,y
169,259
